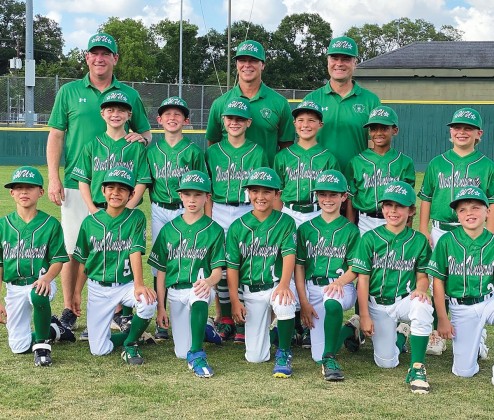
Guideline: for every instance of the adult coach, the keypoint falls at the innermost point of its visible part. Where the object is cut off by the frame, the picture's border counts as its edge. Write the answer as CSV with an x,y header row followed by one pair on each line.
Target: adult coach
x,y
344,103
74,121
272,122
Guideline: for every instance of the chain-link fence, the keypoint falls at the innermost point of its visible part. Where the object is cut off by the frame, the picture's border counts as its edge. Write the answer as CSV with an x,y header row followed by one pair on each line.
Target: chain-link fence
x,y
198,97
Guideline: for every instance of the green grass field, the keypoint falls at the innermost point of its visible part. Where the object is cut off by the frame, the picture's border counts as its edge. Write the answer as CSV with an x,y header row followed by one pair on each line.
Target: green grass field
x,y
80,385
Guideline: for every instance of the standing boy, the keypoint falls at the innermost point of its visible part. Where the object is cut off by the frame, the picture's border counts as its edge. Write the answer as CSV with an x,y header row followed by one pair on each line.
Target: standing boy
x,y
326,246
260,259
392,285
32,253
371,171
462,266
109,248
189,255
456,168
169,158
230,162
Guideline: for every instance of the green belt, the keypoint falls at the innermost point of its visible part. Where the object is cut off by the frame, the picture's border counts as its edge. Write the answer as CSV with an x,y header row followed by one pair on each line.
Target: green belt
x,y
180,286
169,206
470,300
321,281
258,287
24,281
447,227
388,301
303,208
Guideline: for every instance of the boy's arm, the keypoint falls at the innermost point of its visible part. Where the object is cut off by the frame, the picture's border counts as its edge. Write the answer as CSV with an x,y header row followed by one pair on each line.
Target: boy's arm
x,y
208,208
139,191
162,317
80,282
350,211
3,312
366,324
425,215
202,287
444,327
85,190
490,219
140,290
238,309
421,289
43,284
283,289
336,288
307,311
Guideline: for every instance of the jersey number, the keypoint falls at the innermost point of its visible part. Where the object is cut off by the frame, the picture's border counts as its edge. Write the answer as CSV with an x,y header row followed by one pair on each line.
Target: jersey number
x,y
127,270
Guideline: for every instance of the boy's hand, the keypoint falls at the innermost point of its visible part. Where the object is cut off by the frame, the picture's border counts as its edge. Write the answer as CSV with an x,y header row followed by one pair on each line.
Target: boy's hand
x,y
202,289
146,293
307,312
238,312
445,329
42,286
162,318
132,137
421,296
366,325
334,289
76,304
3,314
286,296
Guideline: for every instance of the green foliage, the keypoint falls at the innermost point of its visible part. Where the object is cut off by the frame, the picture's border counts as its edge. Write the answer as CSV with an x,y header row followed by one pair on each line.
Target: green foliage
x,y
73,65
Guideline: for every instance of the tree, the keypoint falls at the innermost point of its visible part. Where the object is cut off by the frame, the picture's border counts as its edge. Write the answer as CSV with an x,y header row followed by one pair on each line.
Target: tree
x,y
72,66
374,40
137,49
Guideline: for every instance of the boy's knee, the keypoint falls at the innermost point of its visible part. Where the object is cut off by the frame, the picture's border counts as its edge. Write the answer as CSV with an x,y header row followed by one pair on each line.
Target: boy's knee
x,y
39,301
283,312
421,318
332,306
146,310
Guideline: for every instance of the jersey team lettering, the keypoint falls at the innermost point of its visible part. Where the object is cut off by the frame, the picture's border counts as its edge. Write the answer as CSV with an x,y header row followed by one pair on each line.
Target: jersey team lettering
x,y
468,268
255,249
390,261
169,171
183,251
377,179
20,251
319,249
232,173
302,172
108,244
455,180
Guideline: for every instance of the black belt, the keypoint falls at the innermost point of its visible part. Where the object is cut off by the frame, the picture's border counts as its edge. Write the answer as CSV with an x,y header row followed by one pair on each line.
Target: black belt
x,y
303,208
259,287
446,226
321,281
181,286
170,206
108,284
24,281
470,300
100,205
388,301
375,214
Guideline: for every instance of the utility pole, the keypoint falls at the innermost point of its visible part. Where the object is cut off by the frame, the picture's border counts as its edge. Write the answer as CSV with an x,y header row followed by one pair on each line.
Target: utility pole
x,y
229,43
29,78
180,81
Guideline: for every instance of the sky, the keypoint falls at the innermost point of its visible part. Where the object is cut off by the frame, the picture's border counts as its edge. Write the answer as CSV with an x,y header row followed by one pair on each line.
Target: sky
x,y
79,19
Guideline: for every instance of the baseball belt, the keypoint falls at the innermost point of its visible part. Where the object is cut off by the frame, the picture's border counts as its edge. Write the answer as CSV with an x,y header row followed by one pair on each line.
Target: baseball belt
x,y
169,206
303,208
375,214
181,286
447,227
470,300
107,283
258,287
321,281
380,300
23,281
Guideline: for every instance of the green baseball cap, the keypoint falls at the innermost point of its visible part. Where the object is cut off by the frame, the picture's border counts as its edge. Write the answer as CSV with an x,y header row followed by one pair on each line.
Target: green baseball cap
x,y
263,177
116,97
25,175
469,193
102,40
195,180
252,49
468,116
343,45
120,175
239,107
331,180
383,115
174,102
307,106
400,192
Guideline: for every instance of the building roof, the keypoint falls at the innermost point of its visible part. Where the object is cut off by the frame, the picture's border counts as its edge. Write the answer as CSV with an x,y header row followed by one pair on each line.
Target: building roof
x,y
436,54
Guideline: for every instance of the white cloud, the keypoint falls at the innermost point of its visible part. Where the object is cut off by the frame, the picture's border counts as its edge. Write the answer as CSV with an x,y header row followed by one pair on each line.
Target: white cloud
x,y
109,8
266,13
476,21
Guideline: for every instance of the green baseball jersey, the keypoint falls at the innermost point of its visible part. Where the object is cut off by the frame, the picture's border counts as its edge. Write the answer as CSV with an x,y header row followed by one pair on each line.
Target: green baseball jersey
x,y
167,164
186,252
105,243
343,120
230,166
465,265
391,261
27,250
448,172
103,154
369,174
298,169
256,249
272,121
326,249
77,112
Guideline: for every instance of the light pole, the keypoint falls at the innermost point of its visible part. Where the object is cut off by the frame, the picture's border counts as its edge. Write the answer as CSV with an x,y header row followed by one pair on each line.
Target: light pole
x,y
29,78
180,51
229,43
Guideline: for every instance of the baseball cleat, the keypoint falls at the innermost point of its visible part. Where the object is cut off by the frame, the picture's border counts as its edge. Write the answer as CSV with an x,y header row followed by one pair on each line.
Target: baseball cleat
x,y
353,343
210,334
198,363
132,355
226,328
121,322
436,344
404,329
68,319
283,364
42,354
161,334
147,338
331,370
84,335
306,343
60,333
417,379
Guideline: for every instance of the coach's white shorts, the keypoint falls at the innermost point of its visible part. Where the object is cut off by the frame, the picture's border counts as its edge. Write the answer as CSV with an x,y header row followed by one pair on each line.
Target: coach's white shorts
x,y
468,322
180,301
159,218
385,318
436,233
317,298
101,304
366,223
74,210
19,313
224,215
257,321
300,217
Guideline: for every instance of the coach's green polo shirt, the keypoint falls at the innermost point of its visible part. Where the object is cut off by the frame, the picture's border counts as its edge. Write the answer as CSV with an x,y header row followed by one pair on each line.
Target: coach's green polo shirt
x,y
77,112
343,133
465,265
272,121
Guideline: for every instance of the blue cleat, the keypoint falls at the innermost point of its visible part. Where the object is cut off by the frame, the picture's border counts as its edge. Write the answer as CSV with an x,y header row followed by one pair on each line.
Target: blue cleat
x,y
198,363
283,364
211,335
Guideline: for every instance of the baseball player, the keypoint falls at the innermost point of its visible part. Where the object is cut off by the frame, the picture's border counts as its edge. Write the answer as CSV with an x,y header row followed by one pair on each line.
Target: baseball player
x,y
189,255
459,167
462,265
109,248
323,272
230,162
372,170
169,158
260,258
392,285
32,253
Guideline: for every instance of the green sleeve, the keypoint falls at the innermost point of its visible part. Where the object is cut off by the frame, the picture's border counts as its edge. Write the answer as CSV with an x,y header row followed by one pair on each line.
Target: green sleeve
x,y
143,172
301,256
159,252
332,162
139,233
218,250
409,173
350,177
424,256
279,167
59,115
81,251
199,163
233,257
214,130
56,247
289,241
352,245
438,262
286,129
139,122
362,262
428,185
83,170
